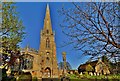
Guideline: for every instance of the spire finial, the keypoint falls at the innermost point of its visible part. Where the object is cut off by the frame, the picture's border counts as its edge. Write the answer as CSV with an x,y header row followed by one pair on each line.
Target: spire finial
x,y
47,6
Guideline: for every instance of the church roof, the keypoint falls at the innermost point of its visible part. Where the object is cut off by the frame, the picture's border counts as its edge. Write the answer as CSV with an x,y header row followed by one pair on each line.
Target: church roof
x,y
83,66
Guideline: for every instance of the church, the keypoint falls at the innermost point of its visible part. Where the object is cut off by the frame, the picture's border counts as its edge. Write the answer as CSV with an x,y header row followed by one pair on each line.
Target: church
x,y
42,63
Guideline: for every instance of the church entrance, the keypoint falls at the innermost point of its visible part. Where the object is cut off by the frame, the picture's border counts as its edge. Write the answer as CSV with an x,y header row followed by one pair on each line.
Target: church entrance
x,y
47,72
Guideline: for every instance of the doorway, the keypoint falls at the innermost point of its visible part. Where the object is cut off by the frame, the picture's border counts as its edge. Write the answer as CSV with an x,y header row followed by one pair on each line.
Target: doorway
x,y
47,72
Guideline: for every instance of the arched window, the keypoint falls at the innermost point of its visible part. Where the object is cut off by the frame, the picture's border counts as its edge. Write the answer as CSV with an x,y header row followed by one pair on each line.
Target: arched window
x,y
27,62
47,31
47,43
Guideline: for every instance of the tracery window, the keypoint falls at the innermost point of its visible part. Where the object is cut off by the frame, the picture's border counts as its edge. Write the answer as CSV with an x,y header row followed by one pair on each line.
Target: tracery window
x,y
27,62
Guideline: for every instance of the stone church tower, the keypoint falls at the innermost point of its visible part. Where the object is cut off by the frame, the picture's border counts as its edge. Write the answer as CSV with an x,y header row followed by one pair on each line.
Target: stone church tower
x,y
47,50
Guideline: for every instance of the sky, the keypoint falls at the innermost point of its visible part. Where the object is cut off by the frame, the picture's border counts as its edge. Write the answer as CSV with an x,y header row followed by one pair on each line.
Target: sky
x,y
32,14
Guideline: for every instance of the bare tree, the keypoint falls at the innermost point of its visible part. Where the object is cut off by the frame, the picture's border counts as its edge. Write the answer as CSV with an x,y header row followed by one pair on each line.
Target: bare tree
x,y
93,28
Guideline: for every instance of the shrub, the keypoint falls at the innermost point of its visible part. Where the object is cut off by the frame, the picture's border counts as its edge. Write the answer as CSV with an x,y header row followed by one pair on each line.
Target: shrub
x,y
25,77
34,79
89,68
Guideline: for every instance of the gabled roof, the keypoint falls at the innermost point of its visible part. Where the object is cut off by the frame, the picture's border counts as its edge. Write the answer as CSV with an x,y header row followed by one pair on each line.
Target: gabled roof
x,y
83,66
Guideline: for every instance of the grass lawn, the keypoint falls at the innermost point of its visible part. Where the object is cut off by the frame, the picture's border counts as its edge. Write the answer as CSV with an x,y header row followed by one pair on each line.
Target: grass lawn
x,y
74,77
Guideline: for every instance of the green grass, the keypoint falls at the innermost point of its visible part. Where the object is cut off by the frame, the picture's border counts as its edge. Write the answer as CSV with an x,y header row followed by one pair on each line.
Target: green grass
x,y
78,77
24,77
72,76
81,77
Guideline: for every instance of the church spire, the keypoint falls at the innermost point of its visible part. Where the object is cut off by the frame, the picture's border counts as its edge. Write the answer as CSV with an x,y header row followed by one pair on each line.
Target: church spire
x,y
47,21
47,6
47,50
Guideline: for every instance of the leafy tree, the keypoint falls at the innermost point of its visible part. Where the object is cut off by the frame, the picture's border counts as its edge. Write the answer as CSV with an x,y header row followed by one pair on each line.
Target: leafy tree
x,y
93,28
89,68
11,33
106,60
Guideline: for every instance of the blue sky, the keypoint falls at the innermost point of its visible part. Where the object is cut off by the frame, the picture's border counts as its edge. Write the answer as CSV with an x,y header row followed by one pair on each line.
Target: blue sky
x,y
32,15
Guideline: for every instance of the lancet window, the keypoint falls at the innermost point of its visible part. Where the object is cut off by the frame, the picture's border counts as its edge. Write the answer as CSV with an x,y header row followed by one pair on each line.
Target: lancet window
x,y
47,43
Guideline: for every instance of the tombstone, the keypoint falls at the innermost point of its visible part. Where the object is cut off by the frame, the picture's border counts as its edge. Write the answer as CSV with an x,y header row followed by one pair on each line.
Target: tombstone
x,y
71,72
94,73
91,74
98,74
81,73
